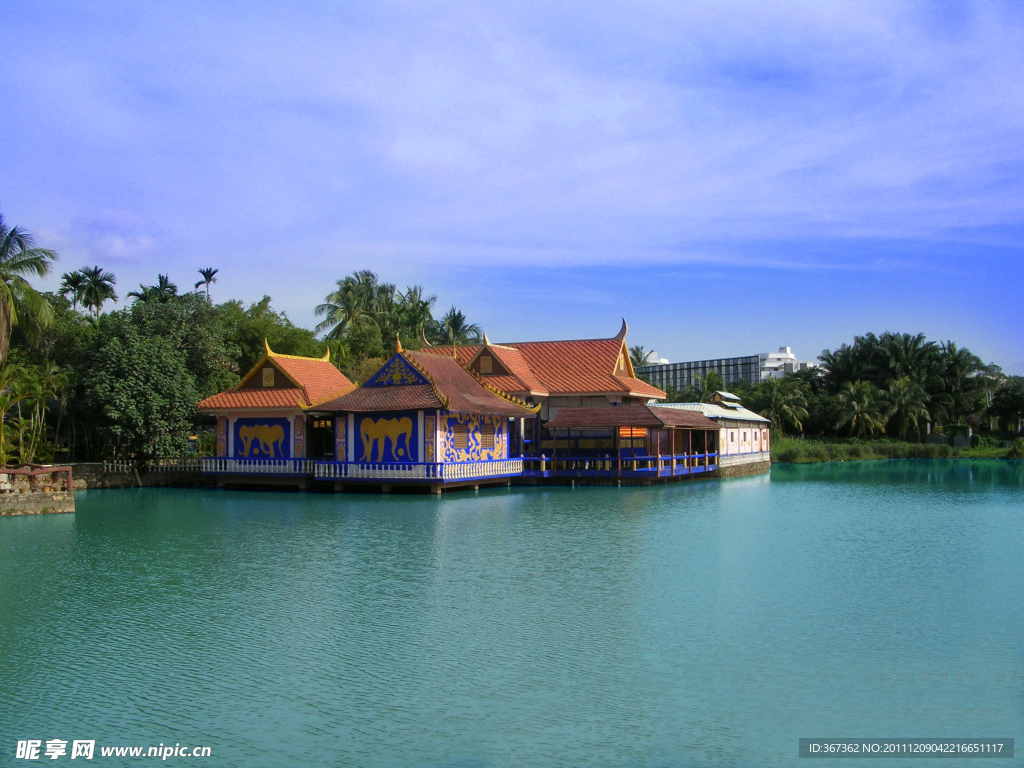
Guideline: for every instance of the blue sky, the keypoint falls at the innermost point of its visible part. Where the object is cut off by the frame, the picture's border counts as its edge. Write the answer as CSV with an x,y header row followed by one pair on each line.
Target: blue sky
x,y
730,176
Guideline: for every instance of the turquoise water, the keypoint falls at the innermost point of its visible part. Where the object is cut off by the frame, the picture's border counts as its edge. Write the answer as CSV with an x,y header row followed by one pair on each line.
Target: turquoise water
x,y
701,624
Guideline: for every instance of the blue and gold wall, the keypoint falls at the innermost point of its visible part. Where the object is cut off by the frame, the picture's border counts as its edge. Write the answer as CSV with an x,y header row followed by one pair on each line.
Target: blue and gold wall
x,y
476,431
387,437
262,438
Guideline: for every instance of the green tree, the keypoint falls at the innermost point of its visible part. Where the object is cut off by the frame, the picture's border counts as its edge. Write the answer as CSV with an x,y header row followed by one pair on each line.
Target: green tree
x,y
906,400
638,356
705,387
209,276
99,288
455,329
73,284
141,392
20,303
246,328
1008,404
861,408
786,404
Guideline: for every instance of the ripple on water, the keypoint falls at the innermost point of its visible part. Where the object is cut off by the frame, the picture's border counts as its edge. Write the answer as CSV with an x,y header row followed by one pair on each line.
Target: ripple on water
x,y
594,626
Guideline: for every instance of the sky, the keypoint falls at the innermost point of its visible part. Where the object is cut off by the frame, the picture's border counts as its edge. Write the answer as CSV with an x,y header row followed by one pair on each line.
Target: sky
x,y
729,176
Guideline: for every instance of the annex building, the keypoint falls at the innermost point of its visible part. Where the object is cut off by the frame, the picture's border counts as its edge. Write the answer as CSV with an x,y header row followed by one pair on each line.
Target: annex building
x,y
752,369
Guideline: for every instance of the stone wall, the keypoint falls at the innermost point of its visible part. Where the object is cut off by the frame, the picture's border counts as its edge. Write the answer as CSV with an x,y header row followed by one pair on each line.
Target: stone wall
x,y
748,468
93,475
36,503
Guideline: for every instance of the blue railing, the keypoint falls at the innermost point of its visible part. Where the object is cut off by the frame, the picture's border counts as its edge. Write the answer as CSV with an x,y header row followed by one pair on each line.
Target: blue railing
x,y
417,470
631,466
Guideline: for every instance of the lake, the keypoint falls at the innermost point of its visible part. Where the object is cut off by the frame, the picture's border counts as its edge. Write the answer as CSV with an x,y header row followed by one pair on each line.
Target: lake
x,y
699,624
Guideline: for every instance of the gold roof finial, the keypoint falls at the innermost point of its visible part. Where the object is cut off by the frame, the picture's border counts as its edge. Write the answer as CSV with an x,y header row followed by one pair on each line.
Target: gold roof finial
x,y
266,346
398,343
327,356
487,342
623,330
423,338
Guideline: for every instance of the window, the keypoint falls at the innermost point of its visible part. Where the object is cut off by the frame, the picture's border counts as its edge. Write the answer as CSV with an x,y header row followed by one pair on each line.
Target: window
x,y
460,437
487,436
268,377
486,364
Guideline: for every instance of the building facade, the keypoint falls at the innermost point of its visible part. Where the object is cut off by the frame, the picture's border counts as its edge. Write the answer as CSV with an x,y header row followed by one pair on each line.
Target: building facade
x,y
752,369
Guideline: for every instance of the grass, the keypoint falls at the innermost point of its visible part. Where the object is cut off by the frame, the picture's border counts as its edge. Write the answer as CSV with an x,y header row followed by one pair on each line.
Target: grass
x,y
790,450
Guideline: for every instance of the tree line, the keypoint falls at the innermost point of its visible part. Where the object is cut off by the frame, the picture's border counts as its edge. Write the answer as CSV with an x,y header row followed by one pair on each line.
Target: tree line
x,y
897,384
78,383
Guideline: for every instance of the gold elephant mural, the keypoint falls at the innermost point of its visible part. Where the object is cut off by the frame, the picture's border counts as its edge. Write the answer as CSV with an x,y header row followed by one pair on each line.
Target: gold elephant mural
x,y
375,433
270,438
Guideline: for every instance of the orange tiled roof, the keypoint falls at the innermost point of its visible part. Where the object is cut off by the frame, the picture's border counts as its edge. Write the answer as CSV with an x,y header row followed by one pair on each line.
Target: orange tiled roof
x,y
585,366
254,398
317,381
451,387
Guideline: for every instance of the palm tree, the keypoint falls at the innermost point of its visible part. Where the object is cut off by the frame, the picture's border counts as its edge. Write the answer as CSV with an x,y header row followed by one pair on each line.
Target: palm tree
x,y
99,288
786,404
414,311
860,408
208,278
145,293
455,329
165,290
72,283
351,301
638,356
20,303
706,386
906,404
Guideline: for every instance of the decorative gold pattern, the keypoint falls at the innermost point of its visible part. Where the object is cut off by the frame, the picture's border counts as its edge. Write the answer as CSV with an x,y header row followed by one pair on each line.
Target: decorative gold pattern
x,y
474,450
340,441
299,437
429,438
261,440
395,373
376,433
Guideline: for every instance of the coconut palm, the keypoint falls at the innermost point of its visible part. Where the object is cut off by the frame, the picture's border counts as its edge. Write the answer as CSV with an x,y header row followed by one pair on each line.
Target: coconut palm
x,y
145,293
165,290
455,329
638,356
99,288
414,311
862,408
786,404
209,276
20,303
705,387
71,285
906,401
351,301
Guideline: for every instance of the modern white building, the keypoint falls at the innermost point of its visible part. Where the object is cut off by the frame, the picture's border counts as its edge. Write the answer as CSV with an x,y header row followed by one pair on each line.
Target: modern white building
x,y
751,369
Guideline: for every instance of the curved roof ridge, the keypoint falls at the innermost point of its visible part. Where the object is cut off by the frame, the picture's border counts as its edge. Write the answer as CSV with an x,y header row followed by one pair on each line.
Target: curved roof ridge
x,y
433,385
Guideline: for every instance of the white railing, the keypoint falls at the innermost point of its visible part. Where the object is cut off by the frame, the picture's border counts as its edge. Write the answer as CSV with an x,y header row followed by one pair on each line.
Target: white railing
x,y
473,469
353,470
259,466
174,465
118,467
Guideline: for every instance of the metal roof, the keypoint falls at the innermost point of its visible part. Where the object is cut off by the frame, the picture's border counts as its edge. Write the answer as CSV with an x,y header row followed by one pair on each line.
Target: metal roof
x,y
712,411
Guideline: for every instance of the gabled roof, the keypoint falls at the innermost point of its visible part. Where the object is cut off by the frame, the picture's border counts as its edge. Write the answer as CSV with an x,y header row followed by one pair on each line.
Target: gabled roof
x,y
415,380
628,416
714,411
520,379
314,380
585,366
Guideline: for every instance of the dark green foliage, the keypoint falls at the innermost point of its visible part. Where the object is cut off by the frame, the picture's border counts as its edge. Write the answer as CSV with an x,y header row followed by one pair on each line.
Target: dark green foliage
x,y
138,388
245,329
